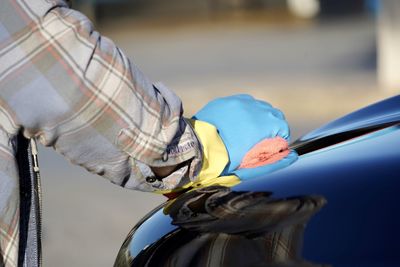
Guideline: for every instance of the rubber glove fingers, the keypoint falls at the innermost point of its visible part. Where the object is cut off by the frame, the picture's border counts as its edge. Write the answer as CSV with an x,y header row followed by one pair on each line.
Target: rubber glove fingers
x,y
242,121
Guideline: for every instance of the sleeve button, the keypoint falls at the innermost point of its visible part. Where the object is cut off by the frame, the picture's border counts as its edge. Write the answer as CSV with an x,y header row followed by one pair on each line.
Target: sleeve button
x,y
151,179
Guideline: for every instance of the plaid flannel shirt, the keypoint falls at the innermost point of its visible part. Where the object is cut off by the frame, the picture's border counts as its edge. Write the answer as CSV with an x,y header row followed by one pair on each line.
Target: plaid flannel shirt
x,y
73,89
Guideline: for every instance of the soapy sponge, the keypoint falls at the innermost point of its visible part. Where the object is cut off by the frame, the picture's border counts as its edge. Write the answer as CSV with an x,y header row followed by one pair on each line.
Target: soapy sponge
x,y
267,151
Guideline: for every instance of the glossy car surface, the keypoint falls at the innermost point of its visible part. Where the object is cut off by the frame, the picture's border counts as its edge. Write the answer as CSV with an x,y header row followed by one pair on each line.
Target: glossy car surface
x,y
335,206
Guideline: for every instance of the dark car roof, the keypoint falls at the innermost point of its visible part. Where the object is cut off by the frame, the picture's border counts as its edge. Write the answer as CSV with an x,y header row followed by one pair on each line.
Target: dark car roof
x,y
381,113
376,116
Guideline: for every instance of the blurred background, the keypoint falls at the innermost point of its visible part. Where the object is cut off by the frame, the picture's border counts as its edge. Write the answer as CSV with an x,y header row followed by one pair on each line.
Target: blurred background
x,y
314,59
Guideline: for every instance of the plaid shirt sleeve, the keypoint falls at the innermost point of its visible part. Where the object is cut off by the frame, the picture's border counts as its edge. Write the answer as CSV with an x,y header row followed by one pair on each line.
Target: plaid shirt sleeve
x,y
75,90
9,203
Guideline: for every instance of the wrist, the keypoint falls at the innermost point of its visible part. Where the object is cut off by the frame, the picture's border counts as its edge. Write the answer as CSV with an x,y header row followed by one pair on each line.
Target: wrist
x,y
162,172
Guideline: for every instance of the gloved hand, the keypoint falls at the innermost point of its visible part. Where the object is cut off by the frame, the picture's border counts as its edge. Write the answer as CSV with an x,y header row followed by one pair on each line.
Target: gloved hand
x,y
242,122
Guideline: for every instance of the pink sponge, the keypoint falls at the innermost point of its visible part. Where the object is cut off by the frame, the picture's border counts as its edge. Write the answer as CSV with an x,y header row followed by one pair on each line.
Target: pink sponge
x,y
267,151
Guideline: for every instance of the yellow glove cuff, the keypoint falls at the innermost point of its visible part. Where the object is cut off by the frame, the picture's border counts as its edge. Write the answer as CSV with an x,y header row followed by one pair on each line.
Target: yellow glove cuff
x,y
215,158
215,155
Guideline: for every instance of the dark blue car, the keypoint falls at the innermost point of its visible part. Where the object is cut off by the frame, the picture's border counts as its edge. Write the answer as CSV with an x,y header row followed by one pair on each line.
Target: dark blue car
x,y
335,206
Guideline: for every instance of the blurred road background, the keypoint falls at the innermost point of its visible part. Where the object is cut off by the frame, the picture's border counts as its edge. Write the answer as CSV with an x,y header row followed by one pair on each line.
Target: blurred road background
x,y
315,64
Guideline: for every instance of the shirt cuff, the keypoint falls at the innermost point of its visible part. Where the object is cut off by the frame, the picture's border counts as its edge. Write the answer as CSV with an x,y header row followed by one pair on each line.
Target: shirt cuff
x,y
143,178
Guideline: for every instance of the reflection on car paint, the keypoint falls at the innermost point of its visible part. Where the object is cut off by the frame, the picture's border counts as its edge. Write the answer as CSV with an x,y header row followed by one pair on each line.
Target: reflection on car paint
x,y
220,227
146,232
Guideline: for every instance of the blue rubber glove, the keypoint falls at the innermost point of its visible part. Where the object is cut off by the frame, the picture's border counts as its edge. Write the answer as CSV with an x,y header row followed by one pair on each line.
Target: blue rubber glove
x,y
242,122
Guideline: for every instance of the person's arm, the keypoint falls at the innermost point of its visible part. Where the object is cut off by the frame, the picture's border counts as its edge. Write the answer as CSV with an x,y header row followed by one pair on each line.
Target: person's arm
x,y
75,90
